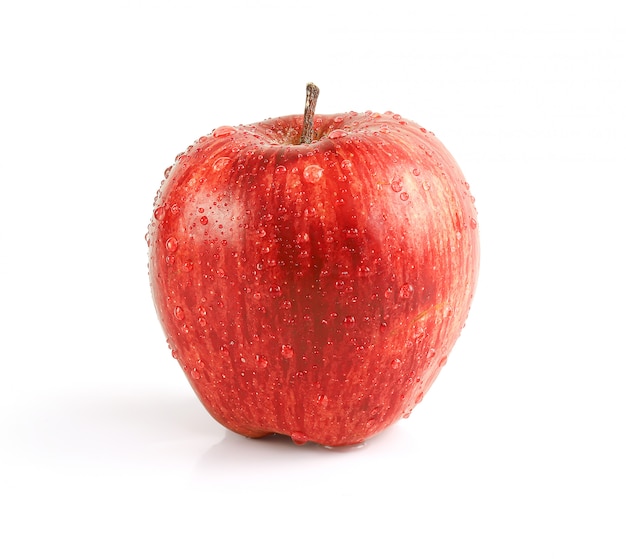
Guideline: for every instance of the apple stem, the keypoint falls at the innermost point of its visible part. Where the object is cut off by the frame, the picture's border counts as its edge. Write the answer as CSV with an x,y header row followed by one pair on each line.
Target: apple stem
x,y
312,92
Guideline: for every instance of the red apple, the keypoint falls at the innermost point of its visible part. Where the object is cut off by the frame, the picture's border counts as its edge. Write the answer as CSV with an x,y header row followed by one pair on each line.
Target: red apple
x,y
313,288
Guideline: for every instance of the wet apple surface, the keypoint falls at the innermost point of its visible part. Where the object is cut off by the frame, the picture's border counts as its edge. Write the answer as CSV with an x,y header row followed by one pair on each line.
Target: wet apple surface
x,y
313,289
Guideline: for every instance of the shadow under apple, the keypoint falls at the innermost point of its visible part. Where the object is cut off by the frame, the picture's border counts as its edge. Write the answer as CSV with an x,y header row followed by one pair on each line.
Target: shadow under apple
x,y
277,455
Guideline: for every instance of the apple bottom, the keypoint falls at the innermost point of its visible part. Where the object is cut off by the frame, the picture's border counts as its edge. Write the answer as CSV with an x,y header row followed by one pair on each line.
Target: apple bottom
x,y
333,404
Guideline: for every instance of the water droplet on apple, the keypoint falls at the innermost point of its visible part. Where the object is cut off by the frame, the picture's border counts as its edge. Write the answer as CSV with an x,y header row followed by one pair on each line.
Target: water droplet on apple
x,y
443,360
261,361
220,163
280,169
417,172
179,313
285,305
204,220
404,196
406,291
275,290
195,374
338,119
223,131
159,213
313,173
286,351
346,165
396,185
426,186
363,270
336,134
187,266
349,321
299,438
473,223
171,244
395,363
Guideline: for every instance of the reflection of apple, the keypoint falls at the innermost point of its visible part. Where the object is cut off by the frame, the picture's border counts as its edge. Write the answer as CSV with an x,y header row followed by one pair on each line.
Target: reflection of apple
x,y
313,289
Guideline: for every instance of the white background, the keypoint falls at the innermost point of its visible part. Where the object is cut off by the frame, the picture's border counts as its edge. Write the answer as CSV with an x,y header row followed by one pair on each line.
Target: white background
x,y
518,449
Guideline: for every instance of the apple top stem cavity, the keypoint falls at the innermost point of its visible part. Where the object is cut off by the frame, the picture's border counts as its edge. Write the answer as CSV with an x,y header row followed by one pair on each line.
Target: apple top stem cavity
x,y
312,272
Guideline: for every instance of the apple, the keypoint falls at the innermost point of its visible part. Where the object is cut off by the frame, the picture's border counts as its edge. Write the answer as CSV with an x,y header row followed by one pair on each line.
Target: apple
x,y
312,273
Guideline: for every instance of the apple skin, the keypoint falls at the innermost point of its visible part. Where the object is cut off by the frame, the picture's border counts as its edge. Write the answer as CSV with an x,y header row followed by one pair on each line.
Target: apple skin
x,y
313,290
